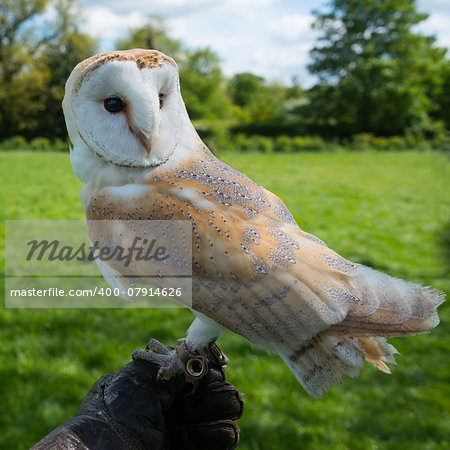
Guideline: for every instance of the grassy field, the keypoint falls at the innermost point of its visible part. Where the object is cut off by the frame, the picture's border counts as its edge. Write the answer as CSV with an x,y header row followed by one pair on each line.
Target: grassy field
x,y
387,210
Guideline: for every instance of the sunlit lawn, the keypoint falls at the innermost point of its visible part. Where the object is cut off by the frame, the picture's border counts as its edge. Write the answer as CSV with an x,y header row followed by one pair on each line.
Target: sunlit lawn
x,y
388,210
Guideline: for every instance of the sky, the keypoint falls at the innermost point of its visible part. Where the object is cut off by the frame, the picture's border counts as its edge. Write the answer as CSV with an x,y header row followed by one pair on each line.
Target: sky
x,y
270,38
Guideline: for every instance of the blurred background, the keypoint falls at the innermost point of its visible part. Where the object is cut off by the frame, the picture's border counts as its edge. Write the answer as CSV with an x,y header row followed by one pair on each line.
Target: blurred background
x,y
344,112
258,74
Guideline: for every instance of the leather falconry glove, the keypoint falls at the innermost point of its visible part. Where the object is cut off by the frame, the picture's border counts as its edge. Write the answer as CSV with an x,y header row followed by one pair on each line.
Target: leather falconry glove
x,y
132,409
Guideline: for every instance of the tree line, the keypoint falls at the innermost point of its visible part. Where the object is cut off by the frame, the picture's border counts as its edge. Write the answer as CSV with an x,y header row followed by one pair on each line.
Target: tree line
x,y
377,78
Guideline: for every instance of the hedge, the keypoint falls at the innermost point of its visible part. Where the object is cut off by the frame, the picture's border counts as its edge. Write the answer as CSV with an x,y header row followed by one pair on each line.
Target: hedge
x,y
220,141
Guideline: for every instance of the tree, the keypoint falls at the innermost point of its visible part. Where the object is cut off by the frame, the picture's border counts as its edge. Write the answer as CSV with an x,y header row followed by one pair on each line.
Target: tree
x,y
203,85
35,63
442,97
375,73
21,79
62,53
152,35
245,87
264,107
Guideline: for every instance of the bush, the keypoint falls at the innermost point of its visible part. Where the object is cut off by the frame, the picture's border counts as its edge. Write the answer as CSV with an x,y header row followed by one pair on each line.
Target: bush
x,y
213,135
41,144
397,143
283,144
242,143
380,143
60,146
309,143
14,143
261,144
361,141
367,141
441,142
220,139
38,144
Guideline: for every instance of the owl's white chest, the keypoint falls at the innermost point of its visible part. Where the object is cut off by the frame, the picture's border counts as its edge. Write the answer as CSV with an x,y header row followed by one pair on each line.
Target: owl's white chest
x,y
96,173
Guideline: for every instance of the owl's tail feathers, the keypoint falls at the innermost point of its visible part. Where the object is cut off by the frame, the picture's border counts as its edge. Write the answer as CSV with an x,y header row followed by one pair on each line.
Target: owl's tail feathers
x,y
379,306
388,306
325,359
379,352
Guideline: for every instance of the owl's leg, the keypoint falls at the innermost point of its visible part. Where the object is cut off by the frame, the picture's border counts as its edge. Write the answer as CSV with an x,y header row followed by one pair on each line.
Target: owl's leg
x,y
169,362
182,359
203,331
190,356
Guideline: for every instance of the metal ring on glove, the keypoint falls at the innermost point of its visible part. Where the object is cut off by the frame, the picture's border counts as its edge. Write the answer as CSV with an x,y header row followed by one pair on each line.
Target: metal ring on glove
x,y
216,353
195,367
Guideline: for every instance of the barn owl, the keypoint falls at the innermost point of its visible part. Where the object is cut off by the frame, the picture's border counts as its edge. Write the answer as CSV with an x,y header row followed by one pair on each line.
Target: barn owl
x,y
255,272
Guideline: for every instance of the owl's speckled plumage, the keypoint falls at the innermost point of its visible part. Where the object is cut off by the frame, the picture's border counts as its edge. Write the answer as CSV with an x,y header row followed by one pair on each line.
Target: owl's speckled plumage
x,y
255,272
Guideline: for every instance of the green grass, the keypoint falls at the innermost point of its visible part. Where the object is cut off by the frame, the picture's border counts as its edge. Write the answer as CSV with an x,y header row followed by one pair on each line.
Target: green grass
x,y
389,210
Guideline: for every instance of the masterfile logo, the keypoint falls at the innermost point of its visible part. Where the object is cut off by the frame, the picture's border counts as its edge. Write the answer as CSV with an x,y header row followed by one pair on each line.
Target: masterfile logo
x,y
140,250
66,263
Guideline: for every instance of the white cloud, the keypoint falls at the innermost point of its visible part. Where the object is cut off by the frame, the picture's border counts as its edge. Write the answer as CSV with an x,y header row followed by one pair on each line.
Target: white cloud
x,y
178,27
240,31
282,63
293,28
101,22
249,3
426,5
271,38
179,8
439,25
166,8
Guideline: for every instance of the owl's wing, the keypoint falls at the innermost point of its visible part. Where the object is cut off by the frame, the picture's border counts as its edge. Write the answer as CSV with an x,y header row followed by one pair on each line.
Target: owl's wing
x,y
255,272
261,277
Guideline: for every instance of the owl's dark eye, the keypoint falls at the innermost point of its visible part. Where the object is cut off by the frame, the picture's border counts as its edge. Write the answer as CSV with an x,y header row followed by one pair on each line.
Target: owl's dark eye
x,y
161,100
114,105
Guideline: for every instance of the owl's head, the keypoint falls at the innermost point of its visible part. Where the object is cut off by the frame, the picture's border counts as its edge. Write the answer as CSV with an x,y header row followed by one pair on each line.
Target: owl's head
x,y
125,107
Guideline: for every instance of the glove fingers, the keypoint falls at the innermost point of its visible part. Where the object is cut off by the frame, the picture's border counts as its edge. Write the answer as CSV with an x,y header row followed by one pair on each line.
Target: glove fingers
x,y
219,435
222,402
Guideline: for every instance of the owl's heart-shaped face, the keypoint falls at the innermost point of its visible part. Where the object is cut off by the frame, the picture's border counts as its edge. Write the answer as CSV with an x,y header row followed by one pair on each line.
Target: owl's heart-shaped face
x,y
125,107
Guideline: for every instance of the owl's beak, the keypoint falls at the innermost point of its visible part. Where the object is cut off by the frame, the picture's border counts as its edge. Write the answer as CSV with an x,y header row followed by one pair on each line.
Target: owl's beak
x,y
144,140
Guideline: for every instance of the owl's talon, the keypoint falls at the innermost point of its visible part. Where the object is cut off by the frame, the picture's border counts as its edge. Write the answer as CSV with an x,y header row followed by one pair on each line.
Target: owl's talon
x,y
165,357
181,359
155,346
